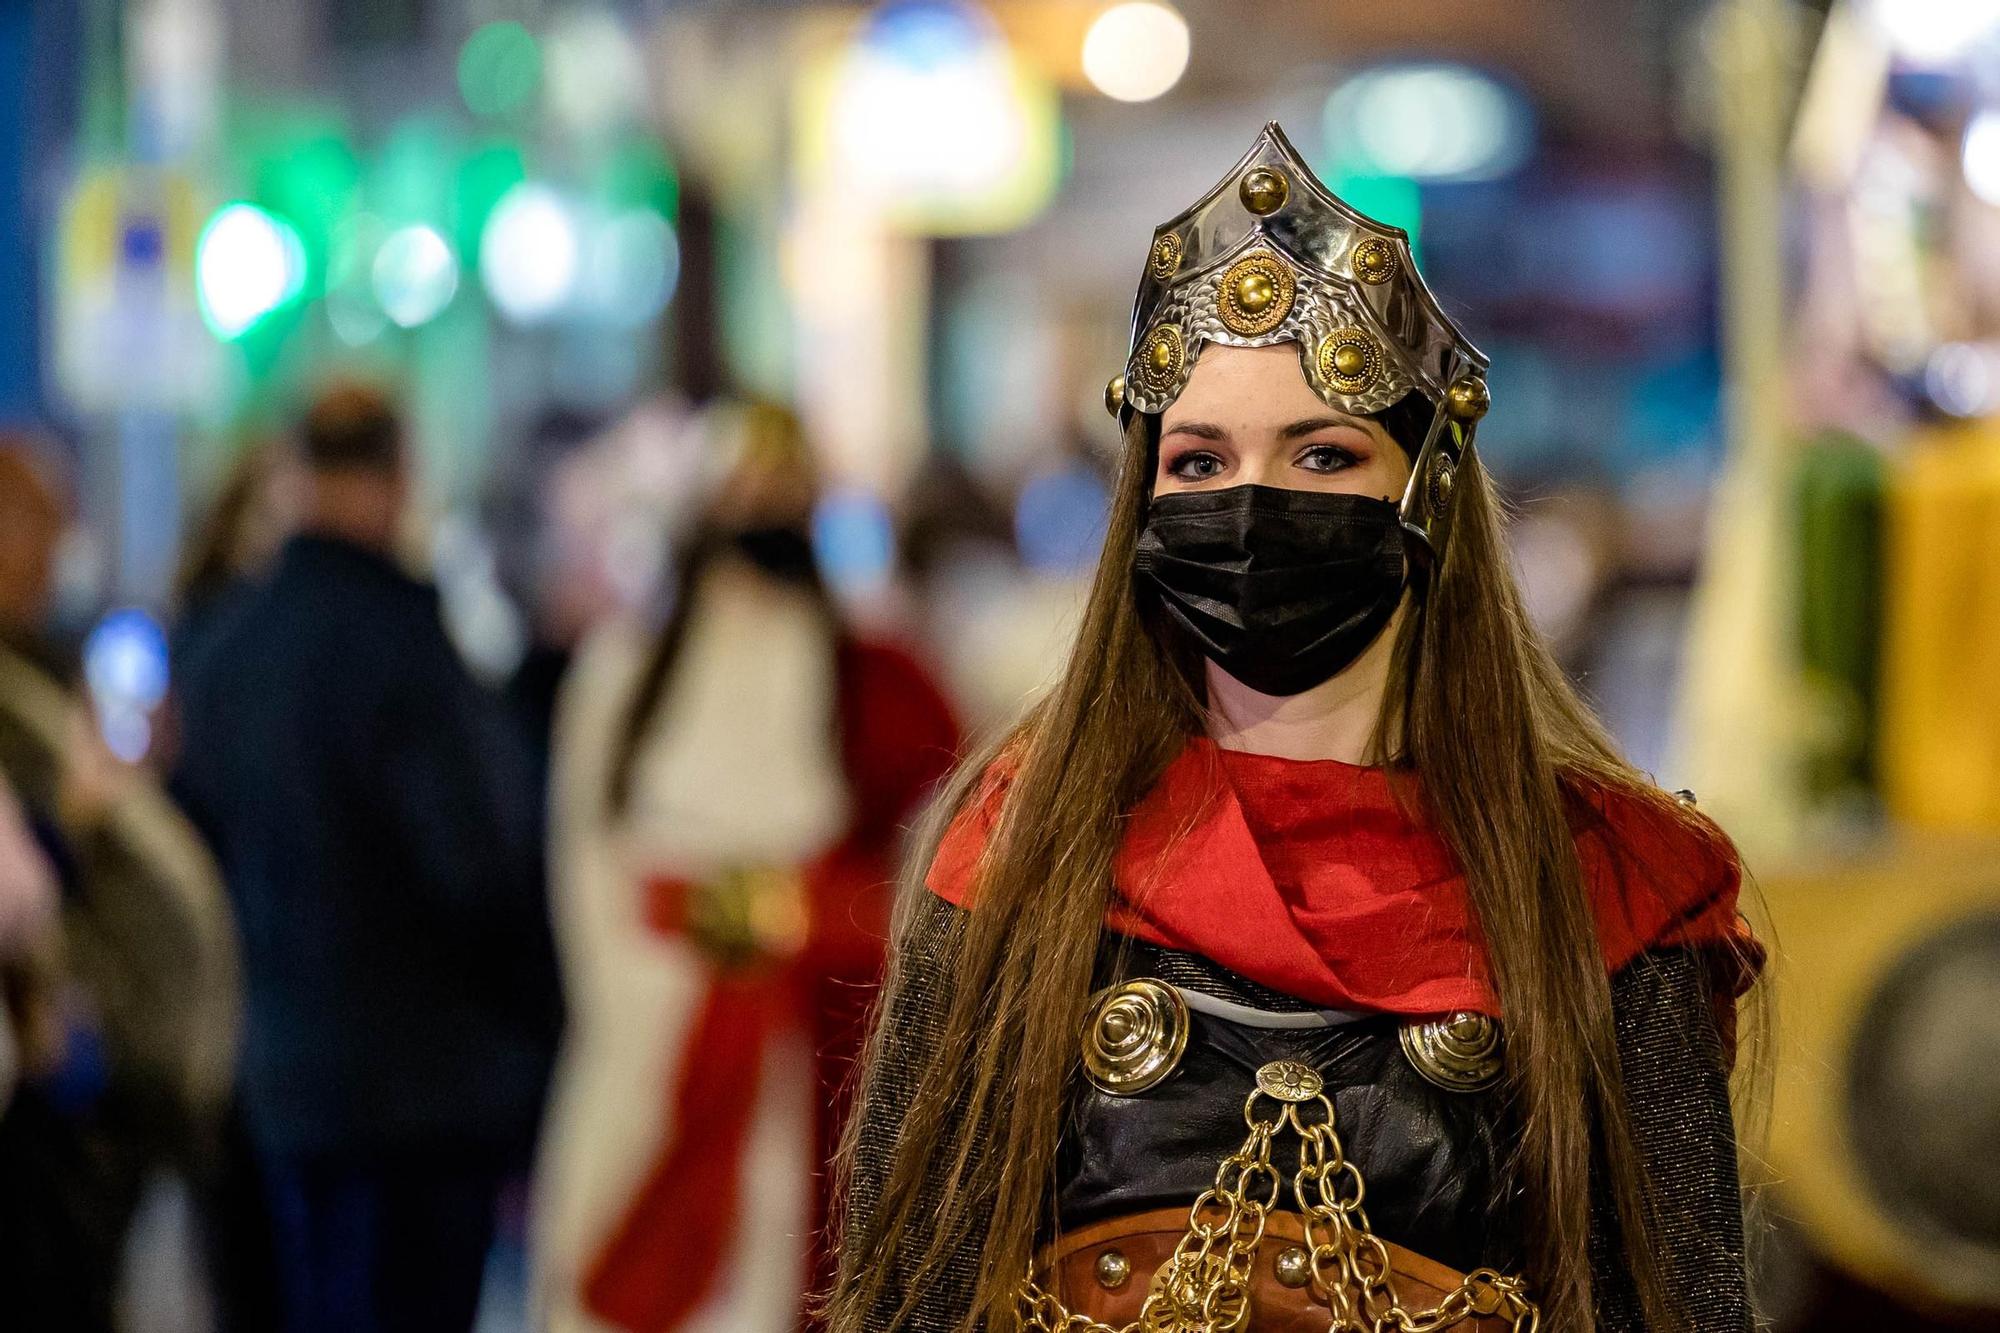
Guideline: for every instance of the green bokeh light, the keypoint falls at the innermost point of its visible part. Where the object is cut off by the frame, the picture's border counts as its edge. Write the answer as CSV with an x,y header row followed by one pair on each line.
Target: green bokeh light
x,y
638,173
484,178
499,69
1396,200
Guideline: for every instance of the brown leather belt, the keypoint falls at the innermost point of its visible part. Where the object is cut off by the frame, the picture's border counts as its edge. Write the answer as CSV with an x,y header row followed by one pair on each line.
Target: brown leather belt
x,y
1103,1271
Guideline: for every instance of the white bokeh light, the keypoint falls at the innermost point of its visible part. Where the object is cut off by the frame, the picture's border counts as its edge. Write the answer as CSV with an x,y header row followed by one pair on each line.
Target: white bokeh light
x,y
1981,156
529,255
1935,32
595,72
1134,52
247,264
415,275
946,123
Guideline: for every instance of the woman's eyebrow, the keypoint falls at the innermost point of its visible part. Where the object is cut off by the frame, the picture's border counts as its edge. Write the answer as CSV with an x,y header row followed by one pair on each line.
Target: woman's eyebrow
x,y
1205,430
1307,425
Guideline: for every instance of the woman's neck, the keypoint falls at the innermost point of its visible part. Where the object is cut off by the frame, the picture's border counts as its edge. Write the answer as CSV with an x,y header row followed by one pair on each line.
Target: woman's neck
x,y
1335,719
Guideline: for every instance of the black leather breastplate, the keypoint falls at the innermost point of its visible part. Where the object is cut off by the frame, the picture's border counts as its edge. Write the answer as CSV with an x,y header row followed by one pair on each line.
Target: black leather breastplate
x,y
1433,1159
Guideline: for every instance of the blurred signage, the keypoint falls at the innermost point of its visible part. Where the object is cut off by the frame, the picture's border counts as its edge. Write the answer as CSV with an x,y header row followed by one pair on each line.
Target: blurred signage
x,y
128,330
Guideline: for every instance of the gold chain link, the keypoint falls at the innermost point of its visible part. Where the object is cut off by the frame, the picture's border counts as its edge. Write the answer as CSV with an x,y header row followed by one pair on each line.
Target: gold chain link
x,y
1204,1287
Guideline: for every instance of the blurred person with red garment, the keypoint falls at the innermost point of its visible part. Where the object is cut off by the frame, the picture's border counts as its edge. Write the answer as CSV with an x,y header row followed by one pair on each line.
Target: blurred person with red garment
x,y
730,792
128,1007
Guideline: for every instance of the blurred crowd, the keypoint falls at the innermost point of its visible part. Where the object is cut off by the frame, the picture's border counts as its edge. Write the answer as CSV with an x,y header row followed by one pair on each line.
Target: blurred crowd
x,y
385,965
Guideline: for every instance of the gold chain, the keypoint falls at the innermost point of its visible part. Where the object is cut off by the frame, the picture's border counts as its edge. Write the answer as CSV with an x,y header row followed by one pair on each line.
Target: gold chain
x,y
1204,1287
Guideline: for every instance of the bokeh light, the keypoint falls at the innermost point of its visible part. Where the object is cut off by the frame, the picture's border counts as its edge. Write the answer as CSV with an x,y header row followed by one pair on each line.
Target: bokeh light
x,y
1427,122
930,115
415,275
631,268
247,263
1059,520
499,69
1135,52
596,75
854,541
1980,156
125,666
530,254
1935,32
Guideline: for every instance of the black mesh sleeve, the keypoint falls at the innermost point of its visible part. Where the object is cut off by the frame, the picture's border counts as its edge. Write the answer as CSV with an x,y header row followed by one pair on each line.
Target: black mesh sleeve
x,y
1677,1088
911,1023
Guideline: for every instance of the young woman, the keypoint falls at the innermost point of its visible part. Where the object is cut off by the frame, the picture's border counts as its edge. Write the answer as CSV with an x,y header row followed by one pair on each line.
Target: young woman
x,y
1307,958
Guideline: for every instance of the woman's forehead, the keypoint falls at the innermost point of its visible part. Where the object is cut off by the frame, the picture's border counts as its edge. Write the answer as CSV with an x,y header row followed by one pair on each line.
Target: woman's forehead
x,y
1250,383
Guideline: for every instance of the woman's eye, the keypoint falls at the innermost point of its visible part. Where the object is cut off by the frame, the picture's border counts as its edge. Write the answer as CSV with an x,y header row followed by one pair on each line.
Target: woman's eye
x,y
1196,465
1326,458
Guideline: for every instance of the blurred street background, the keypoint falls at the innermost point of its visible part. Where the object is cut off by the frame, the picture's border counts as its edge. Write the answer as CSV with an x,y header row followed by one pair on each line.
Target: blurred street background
x,y
734,374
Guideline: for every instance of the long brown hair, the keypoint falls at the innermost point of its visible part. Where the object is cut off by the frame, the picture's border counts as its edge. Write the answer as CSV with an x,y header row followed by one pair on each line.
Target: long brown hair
x,y
972,1164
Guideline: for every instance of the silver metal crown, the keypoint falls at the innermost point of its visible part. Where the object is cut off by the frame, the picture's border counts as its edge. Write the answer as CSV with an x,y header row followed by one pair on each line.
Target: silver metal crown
x,y
1271,255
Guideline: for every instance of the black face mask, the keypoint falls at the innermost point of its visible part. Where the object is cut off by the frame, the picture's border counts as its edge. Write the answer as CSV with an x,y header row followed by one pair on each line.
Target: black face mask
x,y
780,550
1280,588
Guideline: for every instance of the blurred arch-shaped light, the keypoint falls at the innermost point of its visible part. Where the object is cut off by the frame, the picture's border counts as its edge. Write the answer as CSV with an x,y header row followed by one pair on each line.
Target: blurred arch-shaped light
x,y
1429,121
1136,51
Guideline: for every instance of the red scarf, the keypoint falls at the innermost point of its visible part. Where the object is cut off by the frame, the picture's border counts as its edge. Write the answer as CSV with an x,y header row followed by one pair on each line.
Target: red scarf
x,y
1312,878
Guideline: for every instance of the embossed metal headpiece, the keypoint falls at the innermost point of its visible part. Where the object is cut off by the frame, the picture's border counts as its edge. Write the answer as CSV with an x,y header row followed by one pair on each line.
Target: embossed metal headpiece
x,y
1271,255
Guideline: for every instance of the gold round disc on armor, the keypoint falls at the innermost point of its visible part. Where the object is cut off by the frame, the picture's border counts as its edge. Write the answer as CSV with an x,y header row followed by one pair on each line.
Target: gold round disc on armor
x,y
1166,259
1294,1267
1374,261
1134,1036
1289,1081
1442,475
1349,360
1114,394
1255,295
1263,190
1467,399
1114,1270
1460,1053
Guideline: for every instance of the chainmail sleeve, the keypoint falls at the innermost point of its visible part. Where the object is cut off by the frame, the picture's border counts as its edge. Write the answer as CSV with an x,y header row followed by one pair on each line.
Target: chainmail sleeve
x,y
1677,1089
910,1022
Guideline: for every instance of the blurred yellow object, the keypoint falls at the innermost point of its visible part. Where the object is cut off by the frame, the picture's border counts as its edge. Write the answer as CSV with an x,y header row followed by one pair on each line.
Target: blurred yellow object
x,y
1885,1093
1940,740
969,145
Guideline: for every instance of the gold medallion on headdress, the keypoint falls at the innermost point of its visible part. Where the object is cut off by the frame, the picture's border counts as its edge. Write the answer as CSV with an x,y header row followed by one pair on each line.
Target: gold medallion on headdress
x,y
1255,295
1349,360
1162,358
1374,261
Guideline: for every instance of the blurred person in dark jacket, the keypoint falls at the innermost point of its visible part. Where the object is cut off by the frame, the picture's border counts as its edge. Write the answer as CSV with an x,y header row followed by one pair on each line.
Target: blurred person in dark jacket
x,y
128,1009
369,805
227,556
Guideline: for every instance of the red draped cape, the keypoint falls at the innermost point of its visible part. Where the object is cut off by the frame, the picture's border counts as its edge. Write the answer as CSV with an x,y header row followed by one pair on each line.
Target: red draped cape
x,y
1312,877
